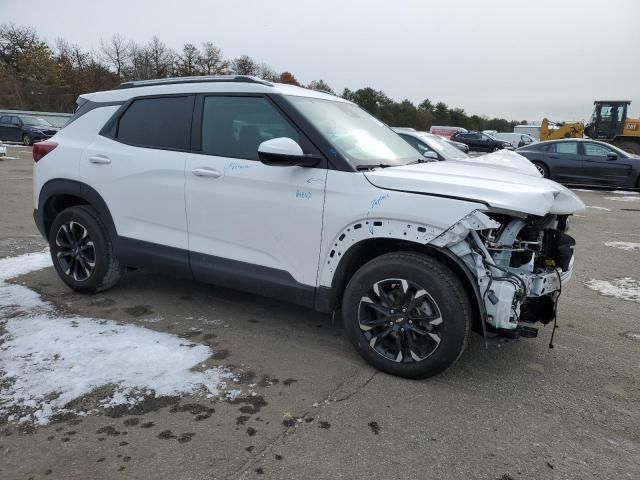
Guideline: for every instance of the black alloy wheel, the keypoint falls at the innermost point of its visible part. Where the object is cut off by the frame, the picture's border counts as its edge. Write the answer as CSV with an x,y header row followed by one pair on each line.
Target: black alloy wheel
x,y
76,251
400,320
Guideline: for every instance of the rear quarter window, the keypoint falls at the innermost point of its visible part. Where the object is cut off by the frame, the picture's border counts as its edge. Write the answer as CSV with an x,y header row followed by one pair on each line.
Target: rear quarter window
x,y
163,123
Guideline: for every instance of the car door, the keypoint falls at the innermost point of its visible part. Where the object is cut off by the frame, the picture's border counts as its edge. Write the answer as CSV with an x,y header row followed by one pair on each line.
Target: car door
x,y
566,162
604,166
137,167
11,127
252,226
5,120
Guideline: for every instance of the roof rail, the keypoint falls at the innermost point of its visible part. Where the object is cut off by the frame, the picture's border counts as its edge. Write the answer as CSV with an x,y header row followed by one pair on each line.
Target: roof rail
x,y
199,79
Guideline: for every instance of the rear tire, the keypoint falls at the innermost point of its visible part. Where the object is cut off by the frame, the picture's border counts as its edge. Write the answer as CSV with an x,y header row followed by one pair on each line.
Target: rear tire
x,y
27,140
629,146
407,314
82,250
542,168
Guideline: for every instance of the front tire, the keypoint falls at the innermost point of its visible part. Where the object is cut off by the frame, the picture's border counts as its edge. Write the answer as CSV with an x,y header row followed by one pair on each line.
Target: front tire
x,y
407,314
27,140
495,149
82,251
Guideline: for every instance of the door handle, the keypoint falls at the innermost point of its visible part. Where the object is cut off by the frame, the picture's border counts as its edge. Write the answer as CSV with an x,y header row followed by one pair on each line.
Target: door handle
x,y
206,172
99,160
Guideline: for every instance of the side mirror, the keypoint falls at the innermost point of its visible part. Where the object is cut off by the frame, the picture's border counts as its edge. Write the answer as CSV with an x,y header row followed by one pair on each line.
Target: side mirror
x,y
430,155
612,156
284,152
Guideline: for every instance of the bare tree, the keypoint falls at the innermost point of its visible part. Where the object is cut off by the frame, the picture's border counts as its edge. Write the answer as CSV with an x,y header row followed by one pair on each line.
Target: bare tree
x,y
162,58
115,53
267,73
321,85
244,65
189,61
211,60
143,65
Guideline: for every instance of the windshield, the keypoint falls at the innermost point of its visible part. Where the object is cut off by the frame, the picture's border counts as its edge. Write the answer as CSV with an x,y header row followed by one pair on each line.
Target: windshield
x,y
358,136
39,122
444,148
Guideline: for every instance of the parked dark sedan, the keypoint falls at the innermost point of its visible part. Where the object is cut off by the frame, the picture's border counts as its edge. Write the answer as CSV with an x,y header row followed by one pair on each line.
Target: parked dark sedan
x,y
481,142
584,162
25,128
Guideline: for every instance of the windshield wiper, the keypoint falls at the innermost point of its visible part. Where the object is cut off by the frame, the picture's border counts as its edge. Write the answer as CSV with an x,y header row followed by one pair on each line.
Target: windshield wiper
x,y
421,160
372,166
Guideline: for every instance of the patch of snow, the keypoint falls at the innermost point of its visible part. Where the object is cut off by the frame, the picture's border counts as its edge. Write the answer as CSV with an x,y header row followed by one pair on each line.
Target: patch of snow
x,y
581,190
628,246
623,199
624,192
12,267
599,208
233,394
48,360
623,288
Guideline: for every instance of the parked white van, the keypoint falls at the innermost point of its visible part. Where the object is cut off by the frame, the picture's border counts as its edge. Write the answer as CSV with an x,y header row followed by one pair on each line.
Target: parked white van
x,y
532,130
516,139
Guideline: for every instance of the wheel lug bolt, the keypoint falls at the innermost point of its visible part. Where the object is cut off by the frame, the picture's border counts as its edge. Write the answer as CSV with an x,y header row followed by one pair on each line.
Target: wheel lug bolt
x,y
392,311
402,329
410,322
404,310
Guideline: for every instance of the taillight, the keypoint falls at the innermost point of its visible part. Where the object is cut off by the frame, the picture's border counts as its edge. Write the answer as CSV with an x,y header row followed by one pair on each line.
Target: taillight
x,y
40,149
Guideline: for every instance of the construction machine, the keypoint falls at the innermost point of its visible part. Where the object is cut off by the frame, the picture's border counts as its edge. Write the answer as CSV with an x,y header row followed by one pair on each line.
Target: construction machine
x,y
555,130
609,123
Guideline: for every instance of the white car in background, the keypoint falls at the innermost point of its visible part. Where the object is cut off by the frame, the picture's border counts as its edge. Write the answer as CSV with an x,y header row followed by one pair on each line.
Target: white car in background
x,y
3,149
517,140
437,148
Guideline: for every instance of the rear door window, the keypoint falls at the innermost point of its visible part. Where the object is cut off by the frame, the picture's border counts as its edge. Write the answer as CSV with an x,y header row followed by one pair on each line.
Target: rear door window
x,y
163,123
567,148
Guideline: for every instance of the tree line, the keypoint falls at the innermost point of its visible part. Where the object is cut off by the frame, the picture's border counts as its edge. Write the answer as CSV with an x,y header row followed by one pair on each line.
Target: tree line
x,y
35,75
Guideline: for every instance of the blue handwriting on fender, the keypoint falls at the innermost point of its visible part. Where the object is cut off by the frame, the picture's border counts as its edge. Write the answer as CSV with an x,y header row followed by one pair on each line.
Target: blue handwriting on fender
x,y
303,195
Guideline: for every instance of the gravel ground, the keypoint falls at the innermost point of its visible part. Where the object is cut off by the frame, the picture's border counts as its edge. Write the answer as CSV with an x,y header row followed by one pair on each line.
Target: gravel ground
x,y
309,407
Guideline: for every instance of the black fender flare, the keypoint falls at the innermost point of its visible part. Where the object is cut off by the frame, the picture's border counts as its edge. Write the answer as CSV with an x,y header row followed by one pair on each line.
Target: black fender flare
x,y
60,186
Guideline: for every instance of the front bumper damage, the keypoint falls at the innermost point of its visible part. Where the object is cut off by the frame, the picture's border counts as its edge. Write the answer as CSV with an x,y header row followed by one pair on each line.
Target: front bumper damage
x,y
519,266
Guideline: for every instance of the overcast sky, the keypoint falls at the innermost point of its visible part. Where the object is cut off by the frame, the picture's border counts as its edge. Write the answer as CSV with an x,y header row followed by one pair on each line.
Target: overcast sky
x,y
516,59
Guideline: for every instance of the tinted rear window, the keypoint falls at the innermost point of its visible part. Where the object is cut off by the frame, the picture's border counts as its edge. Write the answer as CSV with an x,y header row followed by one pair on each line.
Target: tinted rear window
x,y
157,123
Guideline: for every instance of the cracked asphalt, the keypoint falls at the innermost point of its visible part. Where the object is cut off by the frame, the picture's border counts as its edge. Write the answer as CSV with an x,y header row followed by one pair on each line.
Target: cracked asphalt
x,y
514,411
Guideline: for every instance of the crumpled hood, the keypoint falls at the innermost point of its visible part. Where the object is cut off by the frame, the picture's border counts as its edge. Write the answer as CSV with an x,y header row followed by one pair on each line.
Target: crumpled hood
x,y
503,189
507,159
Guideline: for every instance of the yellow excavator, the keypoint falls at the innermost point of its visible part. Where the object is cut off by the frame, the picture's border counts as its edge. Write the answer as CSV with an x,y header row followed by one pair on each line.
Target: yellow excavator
x,y
609,123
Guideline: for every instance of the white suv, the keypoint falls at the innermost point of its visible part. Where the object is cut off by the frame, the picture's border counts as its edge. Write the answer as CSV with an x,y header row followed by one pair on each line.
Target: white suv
x,y
300,195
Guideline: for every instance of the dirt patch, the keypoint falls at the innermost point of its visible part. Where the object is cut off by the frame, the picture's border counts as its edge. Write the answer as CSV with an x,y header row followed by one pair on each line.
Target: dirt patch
x,y
148,404
138,310
200,412
251,405
220,354
375,428
242,419
108,430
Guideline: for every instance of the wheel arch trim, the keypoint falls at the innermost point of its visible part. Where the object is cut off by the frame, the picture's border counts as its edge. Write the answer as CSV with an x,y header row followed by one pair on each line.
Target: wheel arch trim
x,y
60,186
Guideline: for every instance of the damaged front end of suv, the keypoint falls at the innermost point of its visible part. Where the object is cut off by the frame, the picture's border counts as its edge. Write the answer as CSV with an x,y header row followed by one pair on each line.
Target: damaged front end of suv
x,y
519,263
